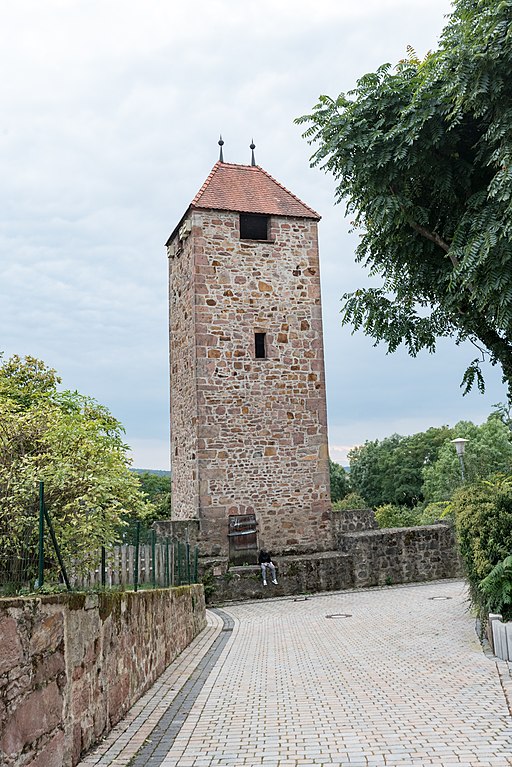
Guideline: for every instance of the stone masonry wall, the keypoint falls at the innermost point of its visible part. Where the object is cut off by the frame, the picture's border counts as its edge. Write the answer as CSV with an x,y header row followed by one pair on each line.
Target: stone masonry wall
x,y
72,665
403,555
182,350
368,558
352,521
262,423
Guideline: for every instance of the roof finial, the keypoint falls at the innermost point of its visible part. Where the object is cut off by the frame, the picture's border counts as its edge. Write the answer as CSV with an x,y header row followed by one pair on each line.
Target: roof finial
x,y
221,144
252,148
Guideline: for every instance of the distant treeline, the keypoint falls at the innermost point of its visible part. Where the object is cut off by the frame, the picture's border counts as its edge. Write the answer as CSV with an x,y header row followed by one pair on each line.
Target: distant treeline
x,y
158,472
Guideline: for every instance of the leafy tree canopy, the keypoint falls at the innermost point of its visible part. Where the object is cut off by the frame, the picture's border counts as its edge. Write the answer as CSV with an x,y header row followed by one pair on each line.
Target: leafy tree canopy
x,y
390,471
488,450
422,156
339,481
75,446
157,489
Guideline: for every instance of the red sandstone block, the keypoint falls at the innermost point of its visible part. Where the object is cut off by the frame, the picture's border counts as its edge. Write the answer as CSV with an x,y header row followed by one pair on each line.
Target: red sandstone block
x,y
40,712
51,754
11,651
49,668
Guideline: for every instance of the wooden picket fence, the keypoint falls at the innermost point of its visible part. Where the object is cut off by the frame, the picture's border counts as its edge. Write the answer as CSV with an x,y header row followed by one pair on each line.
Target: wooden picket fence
x,y
158,565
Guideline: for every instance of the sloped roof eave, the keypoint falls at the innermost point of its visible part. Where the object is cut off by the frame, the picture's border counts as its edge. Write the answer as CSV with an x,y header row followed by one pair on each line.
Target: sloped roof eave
x,y
176,228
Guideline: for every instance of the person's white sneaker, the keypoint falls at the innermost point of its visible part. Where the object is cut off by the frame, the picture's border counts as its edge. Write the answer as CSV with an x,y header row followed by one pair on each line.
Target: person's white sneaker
x,y
274,582
264,583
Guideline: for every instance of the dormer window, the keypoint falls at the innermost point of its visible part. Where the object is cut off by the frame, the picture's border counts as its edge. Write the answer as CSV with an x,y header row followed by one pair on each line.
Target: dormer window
x,y
254,226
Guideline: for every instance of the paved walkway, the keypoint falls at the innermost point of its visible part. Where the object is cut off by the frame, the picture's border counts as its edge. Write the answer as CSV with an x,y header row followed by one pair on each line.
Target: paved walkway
x,y
385,677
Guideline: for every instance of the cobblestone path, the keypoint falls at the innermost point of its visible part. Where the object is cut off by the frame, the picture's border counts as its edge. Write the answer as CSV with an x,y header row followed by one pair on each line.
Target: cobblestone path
x,y
384,677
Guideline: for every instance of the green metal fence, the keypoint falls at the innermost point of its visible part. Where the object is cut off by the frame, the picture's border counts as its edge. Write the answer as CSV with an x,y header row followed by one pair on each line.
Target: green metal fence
x,y
155,563
139,559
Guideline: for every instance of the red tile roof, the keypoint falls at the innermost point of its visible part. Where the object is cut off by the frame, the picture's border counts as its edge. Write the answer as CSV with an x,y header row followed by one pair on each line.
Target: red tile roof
x,y
248,189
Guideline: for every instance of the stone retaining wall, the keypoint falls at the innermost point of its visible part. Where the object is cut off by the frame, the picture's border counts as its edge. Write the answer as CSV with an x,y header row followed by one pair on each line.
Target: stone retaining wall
x,y
183,530
366,558
352,521
403,555
72,665
329,571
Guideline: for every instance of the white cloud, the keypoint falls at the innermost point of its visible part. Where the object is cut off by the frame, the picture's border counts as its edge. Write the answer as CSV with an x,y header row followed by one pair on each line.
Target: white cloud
x,y
111,113
150,454
339,453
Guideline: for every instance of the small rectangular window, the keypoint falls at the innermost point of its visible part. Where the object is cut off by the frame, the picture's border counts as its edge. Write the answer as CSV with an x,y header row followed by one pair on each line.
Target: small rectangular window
x,y
259,345
253,226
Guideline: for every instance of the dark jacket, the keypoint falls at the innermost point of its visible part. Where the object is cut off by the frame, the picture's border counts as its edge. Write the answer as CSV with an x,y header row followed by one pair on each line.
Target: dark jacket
x,y
264,556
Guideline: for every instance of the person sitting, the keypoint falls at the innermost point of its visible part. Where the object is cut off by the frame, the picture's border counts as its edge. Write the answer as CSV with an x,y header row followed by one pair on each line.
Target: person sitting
x,y
265,560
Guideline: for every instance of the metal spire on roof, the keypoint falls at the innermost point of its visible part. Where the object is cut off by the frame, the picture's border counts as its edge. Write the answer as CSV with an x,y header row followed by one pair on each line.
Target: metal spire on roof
x,y
252,148
221,144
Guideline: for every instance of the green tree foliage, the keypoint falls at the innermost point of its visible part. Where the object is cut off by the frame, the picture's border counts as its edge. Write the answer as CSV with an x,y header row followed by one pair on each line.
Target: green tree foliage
x,y
350,502
488,450
368,467
75,446
422,156
390,471
496,589
389,515
340,486
435,512
157,489
483,519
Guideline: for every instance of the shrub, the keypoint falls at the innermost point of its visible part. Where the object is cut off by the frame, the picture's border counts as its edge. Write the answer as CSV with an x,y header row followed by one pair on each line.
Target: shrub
x,y
351,501
433,512
483,520
389,515
496,589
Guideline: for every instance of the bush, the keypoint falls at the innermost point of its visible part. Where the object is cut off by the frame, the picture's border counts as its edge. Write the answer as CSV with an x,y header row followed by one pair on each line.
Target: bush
x,y
351,501
483,520
433,512
389,515
496,589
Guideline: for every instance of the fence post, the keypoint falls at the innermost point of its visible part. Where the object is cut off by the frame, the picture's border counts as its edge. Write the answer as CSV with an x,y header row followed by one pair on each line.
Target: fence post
x,y
153,557
167,562
196,555
187,560
179,563
136,563
40,572
103,567
56,548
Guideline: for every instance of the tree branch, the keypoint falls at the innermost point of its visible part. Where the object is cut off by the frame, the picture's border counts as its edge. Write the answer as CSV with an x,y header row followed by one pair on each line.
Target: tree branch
x,y
433,237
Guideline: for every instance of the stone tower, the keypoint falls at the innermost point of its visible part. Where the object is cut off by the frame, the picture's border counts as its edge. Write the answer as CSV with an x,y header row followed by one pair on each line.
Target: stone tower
x,y
248,411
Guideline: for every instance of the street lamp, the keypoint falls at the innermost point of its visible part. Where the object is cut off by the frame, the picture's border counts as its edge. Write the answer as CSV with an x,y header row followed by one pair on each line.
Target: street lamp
x,y
460,446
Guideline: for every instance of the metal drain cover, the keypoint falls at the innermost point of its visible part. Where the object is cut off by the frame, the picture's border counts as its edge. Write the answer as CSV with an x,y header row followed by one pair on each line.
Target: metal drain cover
x,y
438,599
339,615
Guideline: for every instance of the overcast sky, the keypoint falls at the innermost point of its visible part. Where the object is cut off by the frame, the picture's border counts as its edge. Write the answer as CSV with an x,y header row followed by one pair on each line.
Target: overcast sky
x,y
111,112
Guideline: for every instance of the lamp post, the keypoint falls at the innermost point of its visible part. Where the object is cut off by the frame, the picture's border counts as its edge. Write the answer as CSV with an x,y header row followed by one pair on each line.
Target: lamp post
x,y
460,446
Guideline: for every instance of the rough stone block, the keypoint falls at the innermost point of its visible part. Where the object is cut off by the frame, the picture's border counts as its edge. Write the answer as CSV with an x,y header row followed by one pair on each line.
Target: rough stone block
x,y
47,633
11,650
51,754
39,712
